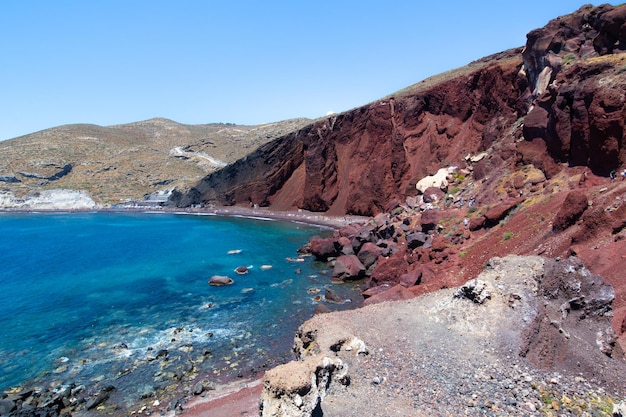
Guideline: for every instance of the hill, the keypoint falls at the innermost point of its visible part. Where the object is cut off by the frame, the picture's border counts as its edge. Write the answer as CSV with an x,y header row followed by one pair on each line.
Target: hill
x,y
119,163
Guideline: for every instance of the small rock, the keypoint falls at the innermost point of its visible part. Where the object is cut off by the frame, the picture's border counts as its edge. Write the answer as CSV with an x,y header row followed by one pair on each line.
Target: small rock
x,y
198,388
332,297
6,407
475,290
241,270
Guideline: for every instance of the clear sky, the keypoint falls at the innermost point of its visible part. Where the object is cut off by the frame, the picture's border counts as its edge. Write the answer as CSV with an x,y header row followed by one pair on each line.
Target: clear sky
x,y
246,62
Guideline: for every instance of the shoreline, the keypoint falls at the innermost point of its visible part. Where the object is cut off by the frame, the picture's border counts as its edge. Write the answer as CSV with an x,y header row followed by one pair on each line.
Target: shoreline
x,y
289,216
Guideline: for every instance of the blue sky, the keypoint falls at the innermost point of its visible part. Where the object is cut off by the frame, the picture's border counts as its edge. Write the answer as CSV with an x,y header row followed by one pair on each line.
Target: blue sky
x,y
246,62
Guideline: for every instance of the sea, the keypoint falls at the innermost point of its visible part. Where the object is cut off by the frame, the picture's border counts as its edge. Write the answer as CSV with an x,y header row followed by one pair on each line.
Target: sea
x,y
122,299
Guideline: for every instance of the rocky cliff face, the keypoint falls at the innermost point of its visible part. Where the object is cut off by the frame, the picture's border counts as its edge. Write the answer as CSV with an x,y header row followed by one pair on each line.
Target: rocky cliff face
x,y
361,161
561,100
577,74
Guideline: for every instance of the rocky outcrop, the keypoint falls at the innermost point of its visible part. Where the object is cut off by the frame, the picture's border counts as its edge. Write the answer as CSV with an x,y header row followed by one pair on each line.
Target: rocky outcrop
x,y
577,73
298,388
526,329
48,200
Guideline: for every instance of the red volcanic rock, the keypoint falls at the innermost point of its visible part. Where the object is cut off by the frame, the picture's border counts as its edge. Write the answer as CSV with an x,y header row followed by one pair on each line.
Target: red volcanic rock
x,y
369,253
579,117
573,207
476,223
370,292
323,249
388,270
499,212
440,243
368,159
430,219
593,222
346,245
350,230
395,293
433,195
347,268
412,277
361,161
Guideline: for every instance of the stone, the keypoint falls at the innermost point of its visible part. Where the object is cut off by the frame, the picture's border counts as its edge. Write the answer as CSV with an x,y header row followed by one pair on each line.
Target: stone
x,y
475,290
241,270
388,270
6,407
369,253
220,280
438,180
433,195
476,223
346,245
332,297
411,277
296,389
572,208
430,220
323,249
494,215
99,398
416,239
395,293
321,309
348,268
198,388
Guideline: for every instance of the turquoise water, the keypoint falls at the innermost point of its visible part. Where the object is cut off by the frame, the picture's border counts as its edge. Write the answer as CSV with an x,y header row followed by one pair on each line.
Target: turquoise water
x,y
92,297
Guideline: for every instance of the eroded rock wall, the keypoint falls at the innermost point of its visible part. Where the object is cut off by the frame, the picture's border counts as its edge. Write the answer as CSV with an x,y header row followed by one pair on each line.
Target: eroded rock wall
x,y
577,73
568,98
361,161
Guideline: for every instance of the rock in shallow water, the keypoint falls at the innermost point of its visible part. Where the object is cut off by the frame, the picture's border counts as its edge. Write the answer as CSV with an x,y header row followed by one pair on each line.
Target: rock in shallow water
x,y
220,280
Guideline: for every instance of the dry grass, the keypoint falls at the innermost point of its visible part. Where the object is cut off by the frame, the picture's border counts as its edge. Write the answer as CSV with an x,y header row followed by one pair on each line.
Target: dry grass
x,y
123,162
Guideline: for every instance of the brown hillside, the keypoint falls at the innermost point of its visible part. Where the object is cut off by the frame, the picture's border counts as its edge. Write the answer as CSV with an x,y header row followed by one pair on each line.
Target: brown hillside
x,y
127,162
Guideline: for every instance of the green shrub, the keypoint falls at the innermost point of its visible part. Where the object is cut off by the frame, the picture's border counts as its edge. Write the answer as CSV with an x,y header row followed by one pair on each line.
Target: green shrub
x,y
568,59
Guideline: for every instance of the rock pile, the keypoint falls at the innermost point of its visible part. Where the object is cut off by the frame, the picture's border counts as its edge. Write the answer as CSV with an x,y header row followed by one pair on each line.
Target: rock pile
x,y
395,252
62,400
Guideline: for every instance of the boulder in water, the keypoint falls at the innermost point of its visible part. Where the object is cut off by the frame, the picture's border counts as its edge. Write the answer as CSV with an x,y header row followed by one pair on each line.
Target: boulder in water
x,y
220,281
241,270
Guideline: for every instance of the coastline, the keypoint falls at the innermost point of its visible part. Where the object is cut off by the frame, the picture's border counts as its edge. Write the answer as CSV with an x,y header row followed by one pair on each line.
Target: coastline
x,y
291,216
237,397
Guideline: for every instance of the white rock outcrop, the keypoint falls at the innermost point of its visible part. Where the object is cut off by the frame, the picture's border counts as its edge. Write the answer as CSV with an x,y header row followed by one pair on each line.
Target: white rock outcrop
x,y
439,180
49,200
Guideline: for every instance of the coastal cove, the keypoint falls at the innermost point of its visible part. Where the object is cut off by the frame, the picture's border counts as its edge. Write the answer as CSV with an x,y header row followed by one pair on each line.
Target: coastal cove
x,y
120,301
